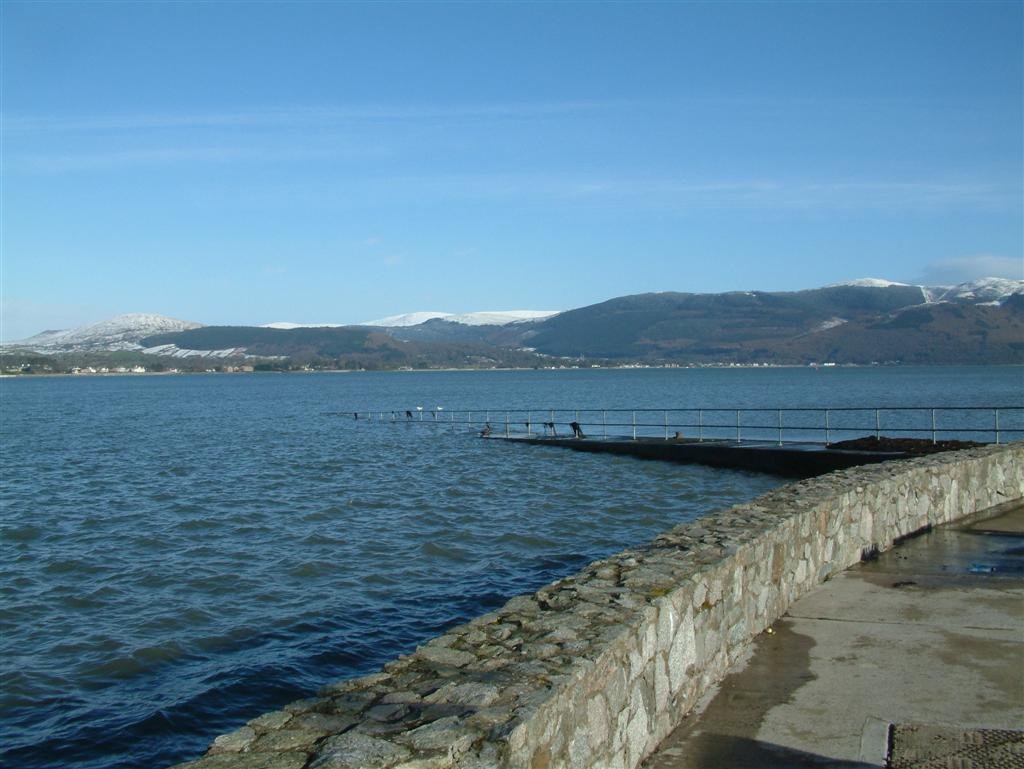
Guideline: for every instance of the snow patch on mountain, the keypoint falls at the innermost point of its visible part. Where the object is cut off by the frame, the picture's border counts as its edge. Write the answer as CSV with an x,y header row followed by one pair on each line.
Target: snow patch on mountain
x,y
868,283
933,294
173,351
285,325
825,325
500,317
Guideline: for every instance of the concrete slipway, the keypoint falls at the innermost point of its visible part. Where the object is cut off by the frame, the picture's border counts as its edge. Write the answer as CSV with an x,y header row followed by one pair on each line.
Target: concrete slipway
x,y
915,658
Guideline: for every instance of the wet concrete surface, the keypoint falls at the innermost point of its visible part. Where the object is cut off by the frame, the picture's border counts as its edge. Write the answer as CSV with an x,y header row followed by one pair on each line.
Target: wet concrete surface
x,y
930,632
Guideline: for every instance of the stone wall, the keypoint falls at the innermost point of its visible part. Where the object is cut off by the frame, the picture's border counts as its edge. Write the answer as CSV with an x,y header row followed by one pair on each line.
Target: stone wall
x,y
596,669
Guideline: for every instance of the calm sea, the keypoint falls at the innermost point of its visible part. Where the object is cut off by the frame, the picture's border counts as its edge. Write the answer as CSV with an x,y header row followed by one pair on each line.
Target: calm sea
x,y
182,553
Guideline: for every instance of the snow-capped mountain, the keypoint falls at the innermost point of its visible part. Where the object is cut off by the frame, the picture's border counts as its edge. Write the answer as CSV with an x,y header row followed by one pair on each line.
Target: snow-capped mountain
x,y
978,291
983,290
119,333
483,318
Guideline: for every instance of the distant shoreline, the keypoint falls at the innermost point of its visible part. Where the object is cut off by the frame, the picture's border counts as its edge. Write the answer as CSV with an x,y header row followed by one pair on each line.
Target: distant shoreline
x,y
716,366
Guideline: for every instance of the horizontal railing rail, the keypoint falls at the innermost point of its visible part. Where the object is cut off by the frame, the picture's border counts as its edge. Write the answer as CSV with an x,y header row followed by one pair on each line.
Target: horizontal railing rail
x,y
776,425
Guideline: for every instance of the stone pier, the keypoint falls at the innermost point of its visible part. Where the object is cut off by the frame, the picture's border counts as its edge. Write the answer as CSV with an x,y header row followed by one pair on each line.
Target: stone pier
x,y
596,669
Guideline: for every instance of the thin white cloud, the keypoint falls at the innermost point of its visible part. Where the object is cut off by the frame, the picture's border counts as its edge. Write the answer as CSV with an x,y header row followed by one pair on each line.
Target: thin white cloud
x,y
963,269
297,116
59,163
328,114
71,162
682,194
810,194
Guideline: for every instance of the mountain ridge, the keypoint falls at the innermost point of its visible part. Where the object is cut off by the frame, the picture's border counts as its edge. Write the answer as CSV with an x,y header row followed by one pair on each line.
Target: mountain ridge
x,y
781,327
860,321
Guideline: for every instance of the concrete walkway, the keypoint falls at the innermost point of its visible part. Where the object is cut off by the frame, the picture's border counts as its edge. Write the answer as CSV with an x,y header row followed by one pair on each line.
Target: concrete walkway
x,y
928,637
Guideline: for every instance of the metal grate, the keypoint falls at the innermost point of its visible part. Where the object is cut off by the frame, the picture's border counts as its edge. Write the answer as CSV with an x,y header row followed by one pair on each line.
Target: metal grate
x,y
915,746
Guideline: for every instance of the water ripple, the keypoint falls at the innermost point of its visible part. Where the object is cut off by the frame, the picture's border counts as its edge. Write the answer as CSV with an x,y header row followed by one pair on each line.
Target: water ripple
x,y
182,553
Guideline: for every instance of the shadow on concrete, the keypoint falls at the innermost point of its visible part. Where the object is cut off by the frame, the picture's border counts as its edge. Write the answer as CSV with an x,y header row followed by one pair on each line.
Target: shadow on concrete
x,y
721,751
722,737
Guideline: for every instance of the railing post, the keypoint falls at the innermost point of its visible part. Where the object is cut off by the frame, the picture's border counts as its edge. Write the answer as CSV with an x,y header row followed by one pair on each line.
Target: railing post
x,y
666,425
700,424
738,438
827,440
995,414
878,430
933,425
529,419
634,425
469,419
604,424
780,427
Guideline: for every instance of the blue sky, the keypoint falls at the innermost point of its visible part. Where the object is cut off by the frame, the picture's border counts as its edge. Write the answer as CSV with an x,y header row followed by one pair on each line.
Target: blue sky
x,y
335,162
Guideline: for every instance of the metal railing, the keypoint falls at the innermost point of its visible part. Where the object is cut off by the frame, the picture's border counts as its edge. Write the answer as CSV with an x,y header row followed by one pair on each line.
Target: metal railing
x,y
987,424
